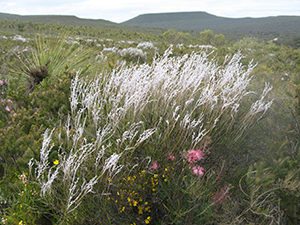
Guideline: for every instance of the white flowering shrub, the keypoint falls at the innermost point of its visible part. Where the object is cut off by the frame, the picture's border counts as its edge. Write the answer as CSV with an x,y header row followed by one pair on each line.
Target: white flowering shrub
x,y
19,38
127,42
113,49
133,54
145,45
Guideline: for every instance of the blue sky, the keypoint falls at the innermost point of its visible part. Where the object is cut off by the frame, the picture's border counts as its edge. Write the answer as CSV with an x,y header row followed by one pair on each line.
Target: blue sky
x,y
121,10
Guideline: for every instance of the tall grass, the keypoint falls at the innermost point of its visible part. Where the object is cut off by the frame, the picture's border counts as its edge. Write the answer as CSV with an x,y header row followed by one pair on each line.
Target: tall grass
x,y
137,112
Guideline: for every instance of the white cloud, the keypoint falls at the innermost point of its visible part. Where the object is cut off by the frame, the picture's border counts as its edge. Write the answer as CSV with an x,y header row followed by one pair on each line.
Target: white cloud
x,y
120,10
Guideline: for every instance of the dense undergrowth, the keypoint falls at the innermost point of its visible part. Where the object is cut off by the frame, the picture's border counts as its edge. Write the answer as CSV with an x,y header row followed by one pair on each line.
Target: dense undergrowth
x,y
111,131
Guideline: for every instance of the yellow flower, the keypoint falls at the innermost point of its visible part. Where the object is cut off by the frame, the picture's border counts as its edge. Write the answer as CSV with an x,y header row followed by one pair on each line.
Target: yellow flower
x,y
56,162
122,209
140,208
134,203
148,220
21,222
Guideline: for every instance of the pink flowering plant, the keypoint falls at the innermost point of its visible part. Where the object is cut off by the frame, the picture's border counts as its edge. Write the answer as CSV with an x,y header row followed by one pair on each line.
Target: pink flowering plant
x,y
198,171
188,181
154,166
195,155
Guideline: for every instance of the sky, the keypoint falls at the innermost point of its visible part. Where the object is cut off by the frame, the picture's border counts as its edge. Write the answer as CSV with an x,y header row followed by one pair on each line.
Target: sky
x,y
121,10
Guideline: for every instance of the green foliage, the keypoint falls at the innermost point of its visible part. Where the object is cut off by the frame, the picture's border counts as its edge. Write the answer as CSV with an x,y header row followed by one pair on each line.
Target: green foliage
x,y
175,37
272,190
40,102
21,137
28,208
208,37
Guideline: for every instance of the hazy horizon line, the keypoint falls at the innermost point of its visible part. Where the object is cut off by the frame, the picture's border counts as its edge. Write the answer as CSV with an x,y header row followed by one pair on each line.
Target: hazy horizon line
x,y
167,12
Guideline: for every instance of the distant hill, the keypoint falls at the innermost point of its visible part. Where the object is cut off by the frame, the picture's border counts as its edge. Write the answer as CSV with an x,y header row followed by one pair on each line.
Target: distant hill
x,y
67,20
198,21
285,27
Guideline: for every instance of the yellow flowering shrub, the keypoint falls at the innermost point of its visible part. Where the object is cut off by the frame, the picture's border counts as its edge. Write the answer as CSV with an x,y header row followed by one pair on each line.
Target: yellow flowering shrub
x,y
137,195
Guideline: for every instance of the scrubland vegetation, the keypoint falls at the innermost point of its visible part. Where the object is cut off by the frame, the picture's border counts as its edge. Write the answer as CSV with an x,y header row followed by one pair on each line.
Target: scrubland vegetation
x,y
121,126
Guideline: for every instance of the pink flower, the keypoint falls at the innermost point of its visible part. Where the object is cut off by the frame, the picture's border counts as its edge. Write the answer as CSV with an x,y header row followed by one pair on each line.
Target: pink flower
x,y
154,165
2,82
8,109
198,171
194,155
171,157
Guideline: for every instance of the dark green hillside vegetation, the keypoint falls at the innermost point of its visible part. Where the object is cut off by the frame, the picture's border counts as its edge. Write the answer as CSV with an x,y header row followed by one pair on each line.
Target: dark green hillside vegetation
x,y
280,27
201,20
56,19
111,125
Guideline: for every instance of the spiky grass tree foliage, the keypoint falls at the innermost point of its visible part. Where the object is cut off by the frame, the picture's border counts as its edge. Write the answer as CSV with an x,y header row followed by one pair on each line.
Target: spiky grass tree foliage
x,y
138,113
51,56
